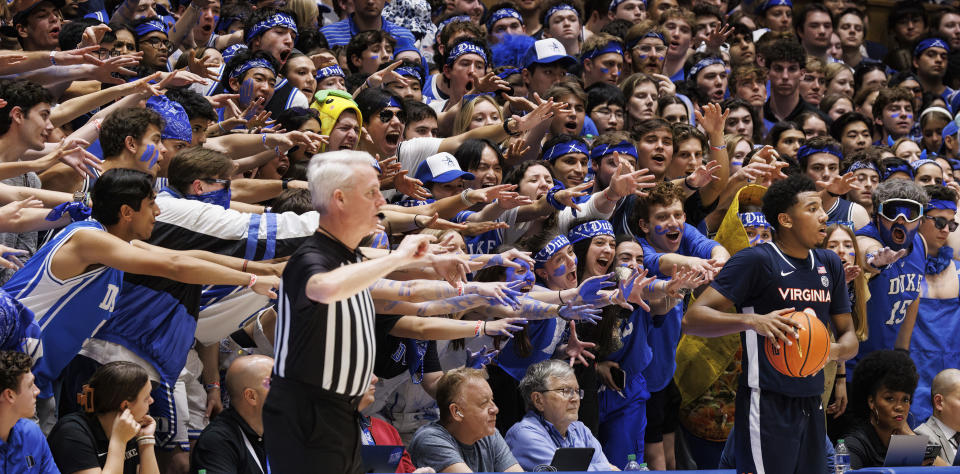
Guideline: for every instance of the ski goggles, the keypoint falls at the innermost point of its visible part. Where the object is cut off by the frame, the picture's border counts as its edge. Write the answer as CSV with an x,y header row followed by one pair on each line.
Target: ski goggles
x,y
892,209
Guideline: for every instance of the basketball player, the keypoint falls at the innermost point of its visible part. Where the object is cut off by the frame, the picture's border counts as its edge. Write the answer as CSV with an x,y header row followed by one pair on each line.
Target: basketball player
x,y
779,419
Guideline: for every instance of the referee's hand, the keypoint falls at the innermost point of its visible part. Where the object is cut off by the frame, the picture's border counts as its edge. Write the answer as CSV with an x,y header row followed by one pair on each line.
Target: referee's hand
x,y
776,325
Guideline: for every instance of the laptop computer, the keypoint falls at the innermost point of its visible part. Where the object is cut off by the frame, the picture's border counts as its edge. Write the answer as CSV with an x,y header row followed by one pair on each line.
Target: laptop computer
x,y
905,450
572,459
383,458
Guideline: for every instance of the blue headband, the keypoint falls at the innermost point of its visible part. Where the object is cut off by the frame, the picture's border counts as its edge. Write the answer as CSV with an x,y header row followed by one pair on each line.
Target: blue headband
x,y
703,63
273,21
610,47
774,3
616,3
252,64
928,43
330,71
624,148
897,169
563,148
552,247
409,71
649,34
392,103
507,73
559,8
954,164
232,51
589,230
501,14
940,204
805,151
176,123
225,21
863,165
466,48
150,26
753,219
443,24
917,164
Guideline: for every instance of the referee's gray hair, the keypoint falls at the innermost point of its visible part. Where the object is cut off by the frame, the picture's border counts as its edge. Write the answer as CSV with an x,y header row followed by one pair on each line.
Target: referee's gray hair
x,y
333,170
899,189
537,375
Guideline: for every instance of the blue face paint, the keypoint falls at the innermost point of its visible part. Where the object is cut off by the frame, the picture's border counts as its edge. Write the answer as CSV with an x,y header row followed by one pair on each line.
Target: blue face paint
x,y
659,58
151,155
526,277
246,95
560,271
757,240
659,230
605,70
886,235
374,56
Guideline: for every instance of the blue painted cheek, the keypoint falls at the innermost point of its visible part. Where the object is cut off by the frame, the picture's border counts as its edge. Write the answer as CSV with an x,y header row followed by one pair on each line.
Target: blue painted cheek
x,y
605,70
560,271
374,57
659,230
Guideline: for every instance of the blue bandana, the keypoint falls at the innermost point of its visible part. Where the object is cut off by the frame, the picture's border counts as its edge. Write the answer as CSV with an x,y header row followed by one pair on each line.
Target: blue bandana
x,y
930,43
149,27
774,3
276,20
922,161
501,14
624,148
754,219
559,8
176,123
616,3
863,165
611,47
805,151
252,64
466,48
704,63
550,250
589,230
940,204
391,102
413,72
562,148
225,21
232,51
330,71
649,34
896,169
954,164
454,19
937,263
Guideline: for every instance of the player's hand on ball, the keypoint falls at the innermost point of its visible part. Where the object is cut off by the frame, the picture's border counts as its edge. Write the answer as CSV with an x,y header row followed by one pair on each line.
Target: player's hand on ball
x,y
776,325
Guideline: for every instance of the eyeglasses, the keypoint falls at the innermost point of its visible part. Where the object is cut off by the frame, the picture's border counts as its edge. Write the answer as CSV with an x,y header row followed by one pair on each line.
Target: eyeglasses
x,y
105,54
387,115
892,209
567,392
649,49
224,182
941,222
606,112
156,42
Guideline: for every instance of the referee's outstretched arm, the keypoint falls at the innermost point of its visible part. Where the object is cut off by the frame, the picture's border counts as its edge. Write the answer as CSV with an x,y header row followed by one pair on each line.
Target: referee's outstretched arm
x,y
349,280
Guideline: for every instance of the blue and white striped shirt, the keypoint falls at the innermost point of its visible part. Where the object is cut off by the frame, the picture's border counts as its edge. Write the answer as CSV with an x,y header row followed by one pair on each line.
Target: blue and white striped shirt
x,y
339,33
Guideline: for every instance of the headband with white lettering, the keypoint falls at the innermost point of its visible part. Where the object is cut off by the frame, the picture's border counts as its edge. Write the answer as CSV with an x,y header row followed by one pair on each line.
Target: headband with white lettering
x,y
563,148
330,71
624,148
774,3
232,50
252,64
278,19
704,63
754,219
589,230
540,258
410,71
466,48
148,27
610,47
928,43
502,13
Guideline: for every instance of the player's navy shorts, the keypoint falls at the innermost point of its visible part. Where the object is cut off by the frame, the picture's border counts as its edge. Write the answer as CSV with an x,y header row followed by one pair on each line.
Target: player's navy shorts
x,y
778,434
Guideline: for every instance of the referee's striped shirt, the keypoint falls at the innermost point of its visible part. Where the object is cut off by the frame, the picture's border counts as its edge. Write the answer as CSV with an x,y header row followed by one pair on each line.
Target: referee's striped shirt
x,y
330,346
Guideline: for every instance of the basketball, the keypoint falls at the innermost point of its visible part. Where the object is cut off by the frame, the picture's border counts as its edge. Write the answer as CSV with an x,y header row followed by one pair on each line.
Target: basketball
x,y
809,351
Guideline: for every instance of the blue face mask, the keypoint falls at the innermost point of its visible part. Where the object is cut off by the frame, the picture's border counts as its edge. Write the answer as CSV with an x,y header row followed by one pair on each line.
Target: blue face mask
x,y
220,197
886,235
527,278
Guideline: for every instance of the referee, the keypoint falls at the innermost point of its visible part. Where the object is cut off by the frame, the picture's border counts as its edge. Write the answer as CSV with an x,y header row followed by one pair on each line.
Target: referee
x,y
325,344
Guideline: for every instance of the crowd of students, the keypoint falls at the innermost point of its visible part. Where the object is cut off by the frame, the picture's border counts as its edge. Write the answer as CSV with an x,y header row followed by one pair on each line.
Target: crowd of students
x,y
254,236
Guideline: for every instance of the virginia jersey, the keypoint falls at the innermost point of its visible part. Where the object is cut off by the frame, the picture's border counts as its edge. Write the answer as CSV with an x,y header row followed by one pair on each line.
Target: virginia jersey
x,y
763,279
67,311
841,213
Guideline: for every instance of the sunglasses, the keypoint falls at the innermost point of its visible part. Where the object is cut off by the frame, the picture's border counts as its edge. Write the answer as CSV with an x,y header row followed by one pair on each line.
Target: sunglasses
x,y
387,115
941,222
892,209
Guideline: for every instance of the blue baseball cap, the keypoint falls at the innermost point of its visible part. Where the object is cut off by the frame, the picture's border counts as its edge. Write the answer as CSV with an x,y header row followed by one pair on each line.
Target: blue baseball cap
x,y
548,51
441,168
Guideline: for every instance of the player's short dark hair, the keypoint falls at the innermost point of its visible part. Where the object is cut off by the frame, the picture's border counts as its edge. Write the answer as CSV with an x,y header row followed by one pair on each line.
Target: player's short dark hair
x,y
372,101
117,187
123,123
195,163
602,93
13,365
417,111
883,369
782,195
114,383
20,93
841,123
195,105
784,50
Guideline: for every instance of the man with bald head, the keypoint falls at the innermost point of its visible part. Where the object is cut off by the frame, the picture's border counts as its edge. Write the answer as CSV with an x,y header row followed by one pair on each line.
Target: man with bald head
x,y
233,441
943,427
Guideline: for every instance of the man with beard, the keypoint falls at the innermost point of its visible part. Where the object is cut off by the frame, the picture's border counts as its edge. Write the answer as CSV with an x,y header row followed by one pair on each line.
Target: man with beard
x,y
895,259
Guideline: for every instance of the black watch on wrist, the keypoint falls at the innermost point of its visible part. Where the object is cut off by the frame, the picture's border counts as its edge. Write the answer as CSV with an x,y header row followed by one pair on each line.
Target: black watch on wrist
x,y
284,183
506,127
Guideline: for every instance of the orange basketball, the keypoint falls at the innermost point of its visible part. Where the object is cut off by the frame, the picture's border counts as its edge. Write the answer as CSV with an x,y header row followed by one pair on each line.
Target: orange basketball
x,y
809,351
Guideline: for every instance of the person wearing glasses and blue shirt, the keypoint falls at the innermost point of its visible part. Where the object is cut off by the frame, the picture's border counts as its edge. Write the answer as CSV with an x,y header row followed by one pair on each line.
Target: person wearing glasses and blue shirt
x,y
895,260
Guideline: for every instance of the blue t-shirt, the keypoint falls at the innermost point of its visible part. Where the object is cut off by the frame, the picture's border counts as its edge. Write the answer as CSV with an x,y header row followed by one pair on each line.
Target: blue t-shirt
x,y
692,244
763,279
26,450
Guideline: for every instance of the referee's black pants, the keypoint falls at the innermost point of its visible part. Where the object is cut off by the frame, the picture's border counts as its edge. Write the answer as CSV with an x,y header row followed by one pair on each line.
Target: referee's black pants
x,y
307,429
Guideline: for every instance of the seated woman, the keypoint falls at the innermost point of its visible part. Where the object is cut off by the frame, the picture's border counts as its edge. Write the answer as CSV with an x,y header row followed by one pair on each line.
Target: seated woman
x,y
883,386
101,438
553,398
